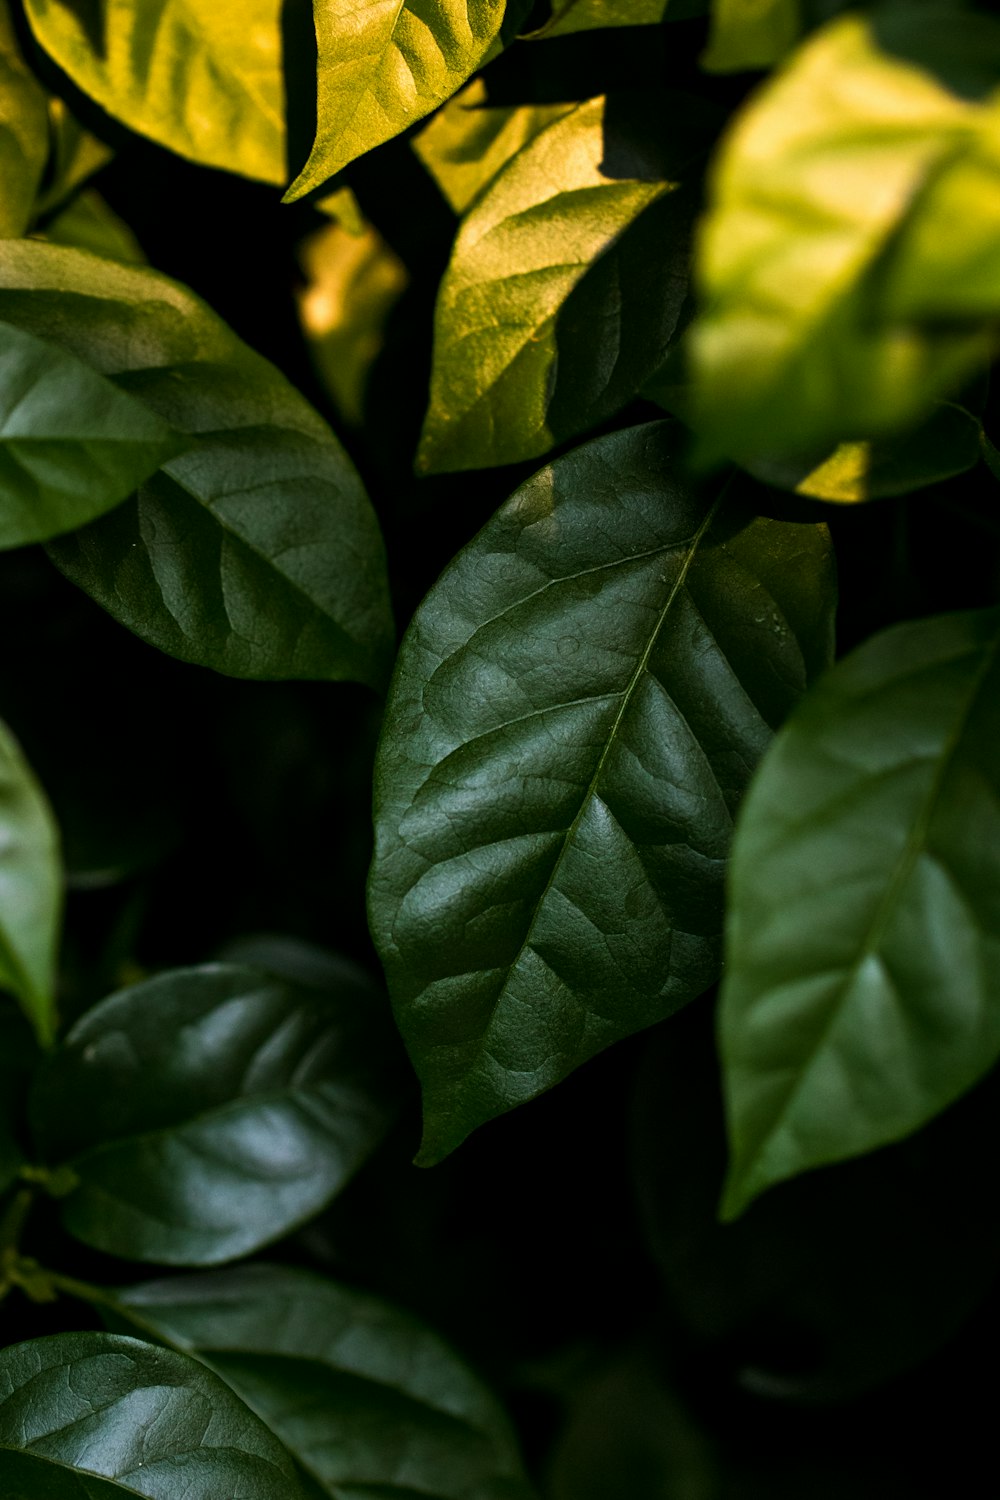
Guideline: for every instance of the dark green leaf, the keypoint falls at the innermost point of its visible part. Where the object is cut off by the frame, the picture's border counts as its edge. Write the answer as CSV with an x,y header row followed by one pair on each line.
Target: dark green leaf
x,y
257,552
750,34
204,80
17,1059
88,223
208,1111
24,133
861,991
577,708
361,1393
30,890
92,1416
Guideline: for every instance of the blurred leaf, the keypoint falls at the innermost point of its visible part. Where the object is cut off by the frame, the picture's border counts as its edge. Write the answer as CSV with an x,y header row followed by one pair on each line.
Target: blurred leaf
x,y
847,263
860,995
75,156
203,80
24,133
92,1416
30,890
89,224
750,34
18,1057
576,709
209,1111
589,15
257,552
343,206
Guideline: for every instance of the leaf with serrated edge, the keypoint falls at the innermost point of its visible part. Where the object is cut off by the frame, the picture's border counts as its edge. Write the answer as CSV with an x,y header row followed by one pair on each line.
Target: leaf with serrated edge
x,y
92,1416
863,945
24,133
209,1111
31,887
577,707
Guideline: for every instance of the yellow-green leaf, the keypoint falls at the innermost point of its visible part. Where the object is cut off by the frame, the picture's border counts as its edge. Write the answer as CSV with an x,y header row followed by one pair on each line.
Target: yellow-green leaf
x,y
24,133
750,34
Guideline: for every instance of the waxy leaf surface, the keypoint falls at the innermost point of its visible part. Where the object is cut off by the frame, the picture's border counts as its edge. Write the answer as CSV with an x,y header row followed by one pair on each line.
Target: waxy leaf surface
x,y
94,1416
256,552
863,946
204,80
208,1111
30,889
577,708
24,133
361,1393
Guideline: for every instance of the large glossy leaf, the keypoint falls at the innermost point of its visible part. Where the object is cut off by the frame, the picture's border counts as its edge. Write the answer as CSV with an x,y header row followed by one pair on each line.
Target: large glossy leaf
x,y
382,67
208,1111
577,707
361,1393
94,1416
257,552
861,992
72,445
564,288
24,133
30,889
847,263
204,80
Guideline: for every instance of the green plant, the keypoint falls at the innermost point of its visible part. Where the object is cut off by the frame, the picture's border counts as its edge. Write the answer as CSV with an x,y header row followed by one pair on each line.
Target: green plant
x,y
630,744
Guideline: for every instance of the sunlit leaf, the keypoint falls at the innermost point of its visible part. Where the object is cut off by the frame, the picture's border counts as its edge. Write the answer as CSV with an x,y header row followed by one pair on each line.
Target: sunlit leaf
x,y
577,707
30,889
24,133
861,993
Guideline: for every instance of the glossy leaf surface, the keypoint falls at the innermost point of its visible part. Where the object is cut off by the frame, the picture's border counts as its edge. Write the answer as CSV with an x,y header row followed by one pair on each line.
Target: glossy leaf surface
x,y
30,889
361,1393
845,263
562,294
204,80
208,1111
93,1416
577,707
382,67
24,133
861,992
257,552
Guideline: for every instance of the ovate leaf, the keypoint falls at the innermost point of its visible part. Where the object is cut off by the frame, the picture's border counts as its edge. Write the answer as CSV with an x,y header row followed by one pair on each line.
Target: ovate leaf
x,y
361,1393
750,34
208,1111
256,552
30,890
847,263
204,80
577,707
862,992
93,1416
563,291
382,67
24,133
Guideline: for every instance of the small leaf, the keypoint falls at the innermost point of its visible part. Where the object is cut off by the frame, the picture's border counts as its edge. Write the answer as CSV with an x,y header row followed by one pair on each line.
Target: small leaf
x,y
577,707
861,993
257,552
209,1111
749,34
30,890
204,80
383,67
591,15
75,155
361,1393
88,223
92,1416
24,133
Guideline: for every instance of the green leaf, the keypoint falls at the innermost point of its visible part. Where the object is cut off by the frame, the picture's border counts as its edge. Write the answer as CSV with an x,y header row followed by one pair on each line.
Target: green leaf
x,y
564,288
577,707
383,67
30,890
75,156
750,34
89,224
861,993
92,1416
847,262
256,552
24,133
590,15
18,1058
72,445
204,80
361,1393
209,1111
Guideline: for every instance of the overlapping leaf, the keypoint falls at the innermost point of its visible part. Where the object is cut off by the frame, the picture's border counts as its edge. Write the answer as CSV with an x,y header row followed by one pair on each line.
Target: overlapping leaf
x,y
24,133
861,991
750,33
88,223
204,80
361,1393
94,1416
847,264
592,15
30,889
208,1111
257,552
577,707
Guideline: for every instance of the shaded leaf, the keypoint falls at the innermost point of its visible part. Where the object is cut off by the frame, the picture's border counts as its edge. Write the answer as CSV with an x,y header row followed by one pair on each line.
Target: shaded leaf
x,y
577,707
30,890
88,223
591,15
750,34
203,80
24,133
255,553
18,1058
860,995
208,1111
91,1416
75,155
